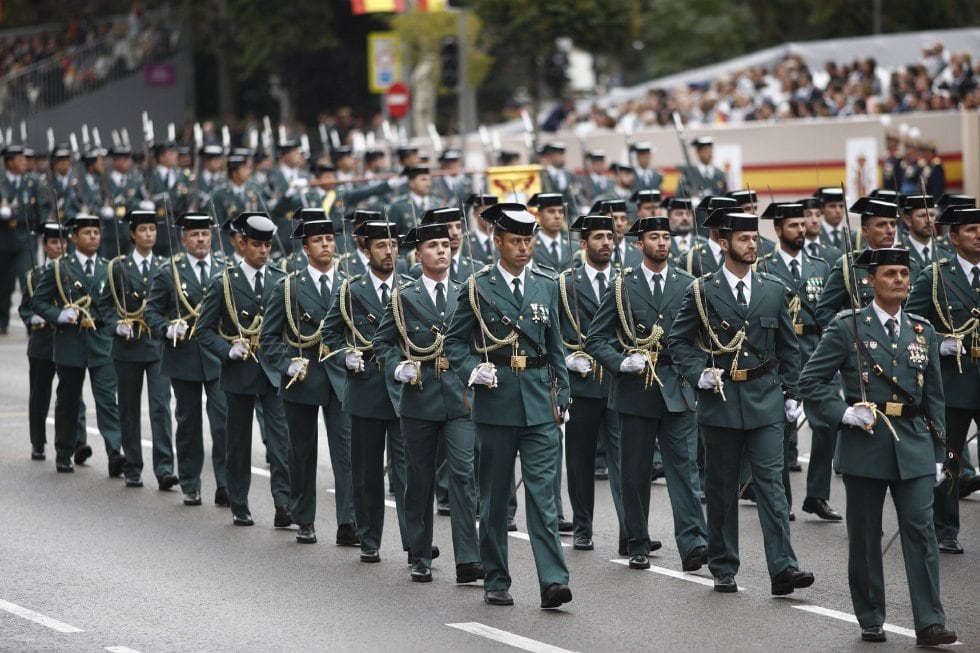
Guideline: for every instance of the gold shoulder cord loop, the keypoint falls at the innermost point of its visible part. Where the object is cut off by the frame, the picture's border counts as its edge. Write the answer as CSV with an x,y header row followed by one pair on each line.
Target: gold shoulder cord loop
x,y
968,328
251,331
131,318
578,350
82,305
416,354
734,346
497,343
193,312
649,347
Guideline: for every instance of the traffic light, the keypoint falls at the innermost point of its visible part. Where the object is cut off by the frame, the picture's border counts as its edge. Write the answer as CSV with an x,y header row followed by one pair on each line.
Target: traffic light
x,y
449,63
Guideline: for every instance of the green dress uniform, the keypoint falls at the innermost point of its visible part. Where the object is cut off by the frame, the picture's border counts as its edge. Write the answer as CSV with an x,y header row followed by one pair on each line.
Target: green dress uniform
x,y
64,189
626,255
483,250
838,292
123,300
750,421
558,180
306,302
460,268
557,255
450,190
78,347
191,367
336,203
231,201
232,309
170,191
351,322
405,212
591,186
517,416
701,181
127,194
20,214
688,257
875,462
433,415
650,412
819,249
647,179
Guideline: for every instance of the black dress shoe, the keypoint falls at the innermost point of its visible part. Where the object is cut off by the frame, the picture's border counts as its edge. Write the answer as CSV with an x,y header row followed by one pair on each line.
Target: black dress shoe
x,y
442,509
470,572
934,635
748,492
602,473
969,485
656,471
498,597
221,497
432,556
795,467
655,545
790,579
82,453
38,454
555,595
283,517
703,497
134,481
370,555
511,525
950,545
873,634
697,558
726,584
116,463
64,466
347,535
821,509
792,516
583,544
192,499
639,561
167,481
243,519
565,526
306,534
422,575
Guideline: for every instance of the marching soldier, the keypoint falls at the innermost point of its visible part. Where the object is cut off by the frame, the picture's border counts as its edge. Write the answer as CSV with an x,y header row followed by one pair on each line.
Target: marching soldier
x,y
743,318
292,343
551,245
238,195
833,212
172,315
169,189
647,177
229,326
934,172
136,353
460,265
813,243
628,336
891,416
748,202
646,203
212,173
594,181
702,179
20,207
127,193
452,185
624,254
350,325
66,298
64,182
919,216
555,178
405,210
431,404
480,236
891,165
89,190
515,312
687,249
948,295
623,179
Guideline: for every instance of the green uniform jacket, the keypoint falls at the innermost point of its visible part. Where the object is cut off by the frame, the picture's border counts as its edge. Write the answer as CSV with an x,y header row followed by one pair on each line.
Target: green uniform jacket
x,y
544,256
446,196
757,402
521,399
961,390
648,179
693,183
914,364
26,203
482,255
434,399
404,215
834,298
464,268
132,290
690,261
628,394
308,310
592,186
170,202
808,289
579,304
559,181
74,346
40,339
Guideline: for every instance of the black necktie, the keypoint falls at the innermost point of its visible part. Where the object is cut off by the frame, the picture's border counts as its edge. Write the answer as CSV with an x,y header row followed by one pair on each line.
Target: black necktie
x,y
453,268
441,298
518,295
794,268
618,257
146,268
890,327
88,267
740,294
658,289
202,271
976,278
600,278
925,256
814,249
554,251
258,284
835,236
324,288
385,297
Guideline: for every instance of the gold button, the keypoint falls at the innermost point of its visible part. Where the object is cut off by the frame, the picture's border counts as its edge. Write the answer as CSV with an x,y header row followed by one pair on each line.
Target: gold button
x,y
746,322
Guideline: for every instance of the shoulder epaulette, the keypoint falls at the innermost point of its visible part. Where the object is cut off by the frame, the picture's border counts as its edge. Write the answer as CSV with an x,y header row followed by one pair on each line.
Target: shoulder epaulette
x,y
354,277
406,284
628,270
482,271
682,272
917,318
545,271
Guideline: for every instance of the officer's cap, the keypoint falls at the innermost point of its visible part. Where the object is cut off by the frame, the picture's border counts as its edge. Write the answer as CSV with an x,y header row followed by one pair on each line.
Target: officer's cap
x,y
120,151
609,206
442,215
703,141
235,162
61,151
212,151
12,150
885,195
872,258
874,208
81,221
511,217
739,222
544,200
288,144
137,217
163,146
622,167
359,216
810,202
414,171
507,156
342,151
645,196
552,147
958,214
642,148
313,227
193,220
371,155
303,214
956,199
779,211
50,230
742,197
376,229
257,226
595,155
318,168
710,204
450,155
676,203
587,223
829,194
92,154
914,202
423,232
406,150
644,225
481,199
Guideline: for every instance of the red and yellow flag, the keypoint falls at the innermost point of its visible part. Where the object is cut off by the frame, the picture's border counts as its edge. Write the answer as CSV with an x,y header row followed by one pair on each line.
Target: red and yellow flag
x,y
359,7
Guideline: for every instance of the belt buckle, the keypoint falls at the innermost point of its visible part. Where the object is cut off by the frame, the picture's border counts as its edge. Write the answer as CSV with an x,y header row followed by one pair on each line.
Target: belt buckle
x,y
740,375
518,363
974,353
893,409
441,363
798,327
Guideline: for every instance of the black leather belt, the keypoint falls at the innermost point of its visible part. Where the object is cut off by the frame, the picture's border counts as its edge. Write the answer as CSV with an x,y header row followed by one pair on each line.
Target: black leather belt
x,y
503,360
892,408
752,373
808,329
440,363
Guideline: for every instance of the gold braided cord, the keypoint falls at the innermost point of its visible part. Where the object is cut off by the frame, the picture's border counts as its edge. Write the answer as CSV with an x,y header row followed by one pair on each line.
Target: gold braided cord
x,y
298,340
192,311
413,352
690,258
648,347
125,315
82,305
252,330
497,343
360,342
569,313
794,307
967,328
734,345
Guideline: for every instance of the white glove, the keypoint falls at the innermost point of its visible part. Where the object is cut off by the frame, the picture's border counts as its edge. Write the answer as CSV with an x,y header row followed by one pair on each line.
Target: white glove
x,y
579,364
354,361
238,351
940,475
483,376
710,378
176,330
950,347
395,182
106,212
632,364
123,330
406,373
792,410
68,316
859,416
147,205
5,213
566,416
37,319
296,368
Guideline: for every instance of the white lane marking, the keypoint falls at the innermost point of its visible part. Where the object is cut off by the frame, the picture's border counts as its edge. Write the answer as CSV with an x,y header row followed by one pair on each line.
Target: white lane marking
x,y
527,538
700,580
120,649
850,618
389,503
803,459
38,618
504,637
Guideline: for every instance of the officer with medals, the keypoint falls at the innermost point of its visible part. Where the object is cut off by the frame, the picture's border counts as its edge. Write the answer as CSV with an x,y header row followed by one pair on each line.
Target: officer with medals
x,y
310,382
480,236
409,342
551,245
948,295
350,325
628,336
191,367
892,419
505,342
229,326
136,353
745,392
66,298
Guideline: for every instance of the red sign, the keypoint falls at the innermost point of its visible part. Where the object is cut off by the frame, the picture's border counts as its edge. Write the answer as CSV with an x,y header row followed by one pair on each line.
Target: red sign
x,y
397,100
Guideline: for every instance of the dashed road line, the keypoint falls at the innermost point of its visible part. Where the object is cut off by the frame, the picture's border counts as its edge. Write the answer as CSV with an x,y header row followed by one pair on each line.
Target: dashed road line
x,y
120,649
527,538
850,618
38,618
508,638
680,575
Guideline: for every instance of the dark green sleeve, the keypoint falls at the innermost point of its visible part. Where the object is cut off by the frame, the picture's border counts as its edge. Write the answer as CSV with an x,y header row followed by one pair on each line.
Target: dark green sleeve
x,y
271,343
601,341
207,324
683,336
457,344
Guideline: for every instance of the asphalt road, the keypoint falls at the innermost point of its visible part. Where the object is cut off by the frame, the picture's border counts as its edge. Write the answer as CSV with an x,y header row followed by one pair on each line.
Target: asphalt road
x,y
89,565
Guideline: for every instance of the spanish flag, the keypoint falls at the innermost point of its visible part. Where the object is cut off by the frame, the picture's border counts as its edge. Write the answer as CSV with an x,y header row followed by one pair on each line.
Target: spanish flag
x,y
359,7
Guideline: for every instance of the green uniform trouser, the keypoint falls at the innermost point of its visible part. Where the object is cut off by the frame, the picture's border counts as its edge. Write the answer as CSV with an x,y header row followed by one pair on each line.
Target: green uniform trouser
x,y
823,441
947,496
238,456
189,439
367,457
865,576
724,449
590,422
68,398
423,438
539,446
129,376
41,373
677,434
303,438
